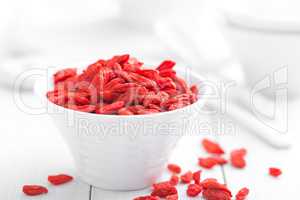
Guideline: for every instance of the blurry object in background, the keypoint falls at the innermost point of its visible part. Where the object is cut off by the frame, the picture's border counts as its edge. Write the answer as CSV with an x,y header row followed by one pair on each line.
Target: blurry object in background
x,y
145,13
58,32
201,44
37,32
266,37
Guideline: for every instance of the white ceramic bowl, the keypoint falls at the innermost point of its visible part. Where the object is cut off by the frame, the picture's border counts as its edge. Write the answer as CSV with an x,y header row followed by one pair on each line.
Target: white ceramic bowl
x,y
120,152
264,47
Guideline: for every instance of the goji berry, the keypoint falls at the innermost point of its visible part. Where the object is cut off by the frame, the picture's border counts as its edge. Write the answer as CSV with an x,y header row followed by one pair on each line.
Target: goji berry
x,y
194,89
83,108
33,190
273,171
106,83
59,179
212,147
237,158
186,177
213,194
220,160
167,64
211,183
207,163
111,108
174,168
125,111
163,189
167,73
181,84
242,194
174,180
197,177
193,190
62,75
172,197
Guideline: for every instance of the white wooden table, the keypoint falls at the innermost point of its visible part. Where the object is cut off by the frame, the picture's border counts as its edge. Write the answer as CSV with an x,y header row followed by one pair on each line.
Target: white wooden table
x,y
31,149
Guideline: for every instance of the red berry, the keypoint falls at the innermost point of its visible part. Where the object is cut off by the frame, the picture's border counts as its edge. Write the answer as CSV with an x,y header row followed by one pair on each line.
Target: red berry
x,y
174,180
172,197
193,190
196,177
207,163
273,171
59,179
220,160
211,183
212,147
187,177
213,194
237,158
174,168
33,190
112,86
167,64
163,189
242,194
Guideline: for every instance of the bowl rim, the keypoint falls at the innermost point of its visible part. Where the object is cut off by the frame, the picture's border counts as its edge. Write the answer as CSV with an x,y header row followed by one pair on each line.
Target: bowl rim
x,y
41,93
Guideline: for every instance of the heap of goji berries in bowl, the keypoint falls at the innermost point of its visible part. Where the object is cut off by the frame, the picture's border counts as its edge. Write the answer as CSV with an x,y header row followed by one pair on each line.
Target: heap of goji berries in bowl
x,y
111,150
122,86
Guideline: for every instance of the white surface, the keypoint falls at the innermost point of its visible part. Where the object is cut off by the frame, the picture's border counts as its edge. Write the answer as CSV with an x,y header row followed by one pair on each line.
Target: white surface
x,y
31,149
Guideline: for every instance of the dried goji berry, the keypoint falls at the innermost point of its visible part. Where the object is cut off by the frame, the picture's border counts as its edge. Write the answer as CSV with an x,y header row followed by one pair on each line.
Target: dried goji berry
x,y
111,108
213,194
114,82
181,84
237,158
211,183
81,98
238,162
239,152
174,168
172,197
197,177
212,147
174,180
167,73
59,179
220,160
186,177
273,171
194,89
193,190
167,64
163,189
106,83
149,73
83,108
62,75
242,194
125,111
207,163
147,111
33,190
